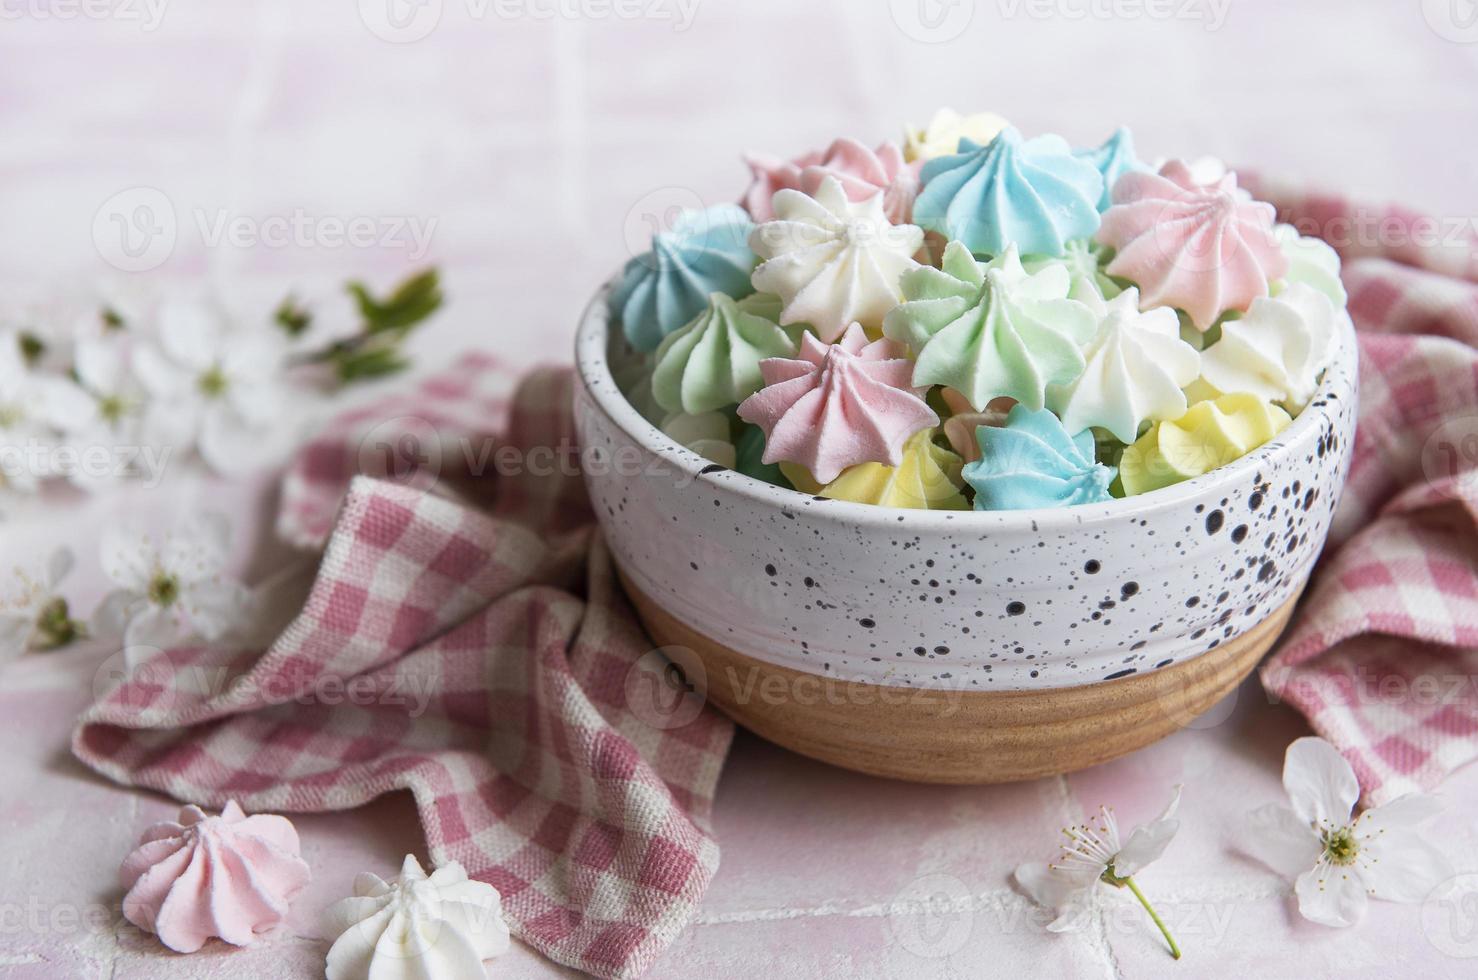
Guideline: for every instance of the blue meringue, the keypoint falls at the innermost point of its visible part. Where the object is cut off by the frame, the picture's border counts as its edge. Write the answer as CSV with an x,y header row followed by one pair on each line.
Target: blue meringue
x,y
1034,193
1032,462
704,252
1112,160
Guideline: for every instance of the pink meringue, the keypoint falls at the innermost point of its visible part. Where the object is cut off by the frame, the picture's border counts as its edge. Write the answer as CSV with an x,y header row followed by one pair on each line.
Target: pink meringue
x,y
838,405
865,172
1204,248
771,174
230,876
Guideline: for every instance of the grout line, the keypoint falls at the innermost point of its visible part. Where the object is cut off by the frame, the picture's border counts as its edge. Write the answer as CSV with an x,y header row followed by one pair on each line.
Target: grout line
x,y
1001,899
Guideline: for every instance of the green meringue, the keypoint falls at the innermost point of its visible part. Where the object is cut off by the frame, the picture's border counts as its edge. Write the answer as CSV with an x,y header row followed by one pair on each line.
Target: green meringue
x,y
1312,262
1084,260
714,361
993,329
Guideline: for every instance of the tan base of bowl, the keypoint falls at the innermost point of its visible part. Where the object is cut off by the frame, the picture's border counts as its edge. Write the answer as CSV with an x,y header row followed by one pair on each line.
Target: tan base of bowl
x,y
936,736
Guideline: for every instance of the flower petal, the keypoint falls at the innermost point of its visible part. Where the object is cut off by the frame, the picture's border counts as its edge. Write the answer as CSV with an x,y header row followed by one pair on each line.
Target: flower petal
x,y
1148,841
1402,868
1320,783
128,558
112,615
152,627
217,608
58,567
16,630
191,334
1048,886
1281,840
1402,813
1331,895
197,550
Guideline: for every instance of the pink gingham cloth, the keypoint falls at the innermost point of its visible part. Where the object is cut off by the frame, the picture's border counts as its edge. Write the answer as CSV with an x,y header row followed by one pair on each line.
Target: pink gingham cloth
x,y
1382,657
477,656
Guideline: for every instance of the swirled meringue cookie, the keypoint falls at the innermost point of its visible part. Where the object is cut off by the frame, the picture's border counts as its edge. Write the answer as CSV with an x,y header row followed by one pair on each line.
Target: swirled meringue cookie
x,y
1033,194
833,261
1208,435
1113,159
1136,367
927,478
418,927
769,174
229,876
1084,260
837,405
1031,461
991,330
1276,350
704,252
941,137
1312,262
1201,248
706,434
714,361
863,173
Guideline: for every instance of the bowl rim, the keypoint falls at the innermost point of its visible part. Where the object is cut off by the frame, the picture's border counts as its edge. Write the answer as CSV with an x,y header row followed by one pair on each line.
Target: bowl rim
x,y
592,364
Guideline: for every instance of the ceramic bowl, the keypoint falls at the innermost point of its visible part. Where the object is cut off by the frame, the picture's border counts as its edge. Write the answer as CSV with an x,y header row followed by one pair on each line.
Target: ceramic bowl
x,y
960,646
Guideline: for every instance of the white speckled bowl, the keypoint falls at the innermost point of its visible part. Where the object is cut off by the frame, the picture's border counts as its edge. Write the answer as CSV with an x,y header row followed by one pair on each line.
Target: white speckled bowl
x,y
957,603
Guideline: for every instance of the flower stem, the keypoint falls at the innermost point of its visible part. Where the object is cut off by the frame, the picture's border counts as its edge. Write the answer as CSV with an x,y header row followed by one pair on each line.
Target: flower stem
x,y
1174,949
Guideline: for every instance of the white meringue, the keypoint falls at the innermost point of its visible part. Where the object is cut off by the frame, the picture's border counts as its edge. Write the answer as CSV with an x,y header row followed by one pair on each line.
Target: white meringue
x,y
439,927
1136,367
1276,350
833,261
1310,261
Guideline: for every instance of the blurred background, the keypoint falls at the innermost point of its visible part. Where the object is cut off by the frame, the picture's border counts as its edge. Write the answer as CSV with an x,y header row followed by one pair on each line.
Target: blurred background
x,y
528,146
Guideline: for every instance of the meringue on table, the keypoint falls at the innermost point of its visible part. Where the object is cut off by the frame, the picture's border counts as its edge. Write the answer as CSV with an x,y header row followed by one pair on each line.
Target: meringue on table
x,y
417,927
228,876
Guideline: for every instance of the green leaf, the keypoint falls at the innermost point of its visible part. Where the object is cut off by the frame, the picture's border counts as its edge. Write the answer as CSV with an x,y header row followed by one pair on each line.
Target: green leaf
x,y
408,304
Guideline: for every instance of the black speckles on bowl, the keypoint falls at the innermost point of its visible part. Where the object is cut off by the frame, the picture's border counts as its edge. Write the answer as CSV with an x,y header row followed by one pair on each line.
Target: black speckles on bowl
x,y
963,601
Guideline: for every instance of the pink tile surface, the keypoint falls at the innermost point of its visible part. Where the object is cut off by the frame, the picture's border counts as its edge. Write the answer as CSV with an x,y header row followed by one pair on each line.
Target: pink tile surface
x,y
538,147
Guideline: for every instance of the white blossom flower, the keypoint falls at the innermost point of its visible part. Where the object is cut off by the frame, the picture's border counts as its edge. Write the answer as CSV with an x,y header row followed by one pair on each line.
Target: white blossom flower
x,y
1340,861
33,615
171,592
1092,855
107,422
212,386
31,403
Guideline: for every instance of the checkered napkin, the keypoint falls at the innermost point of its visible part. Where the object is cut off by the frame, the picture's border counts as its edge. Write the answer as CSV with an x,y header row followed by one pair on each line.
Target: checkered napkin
x,y
1383,655
476,656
